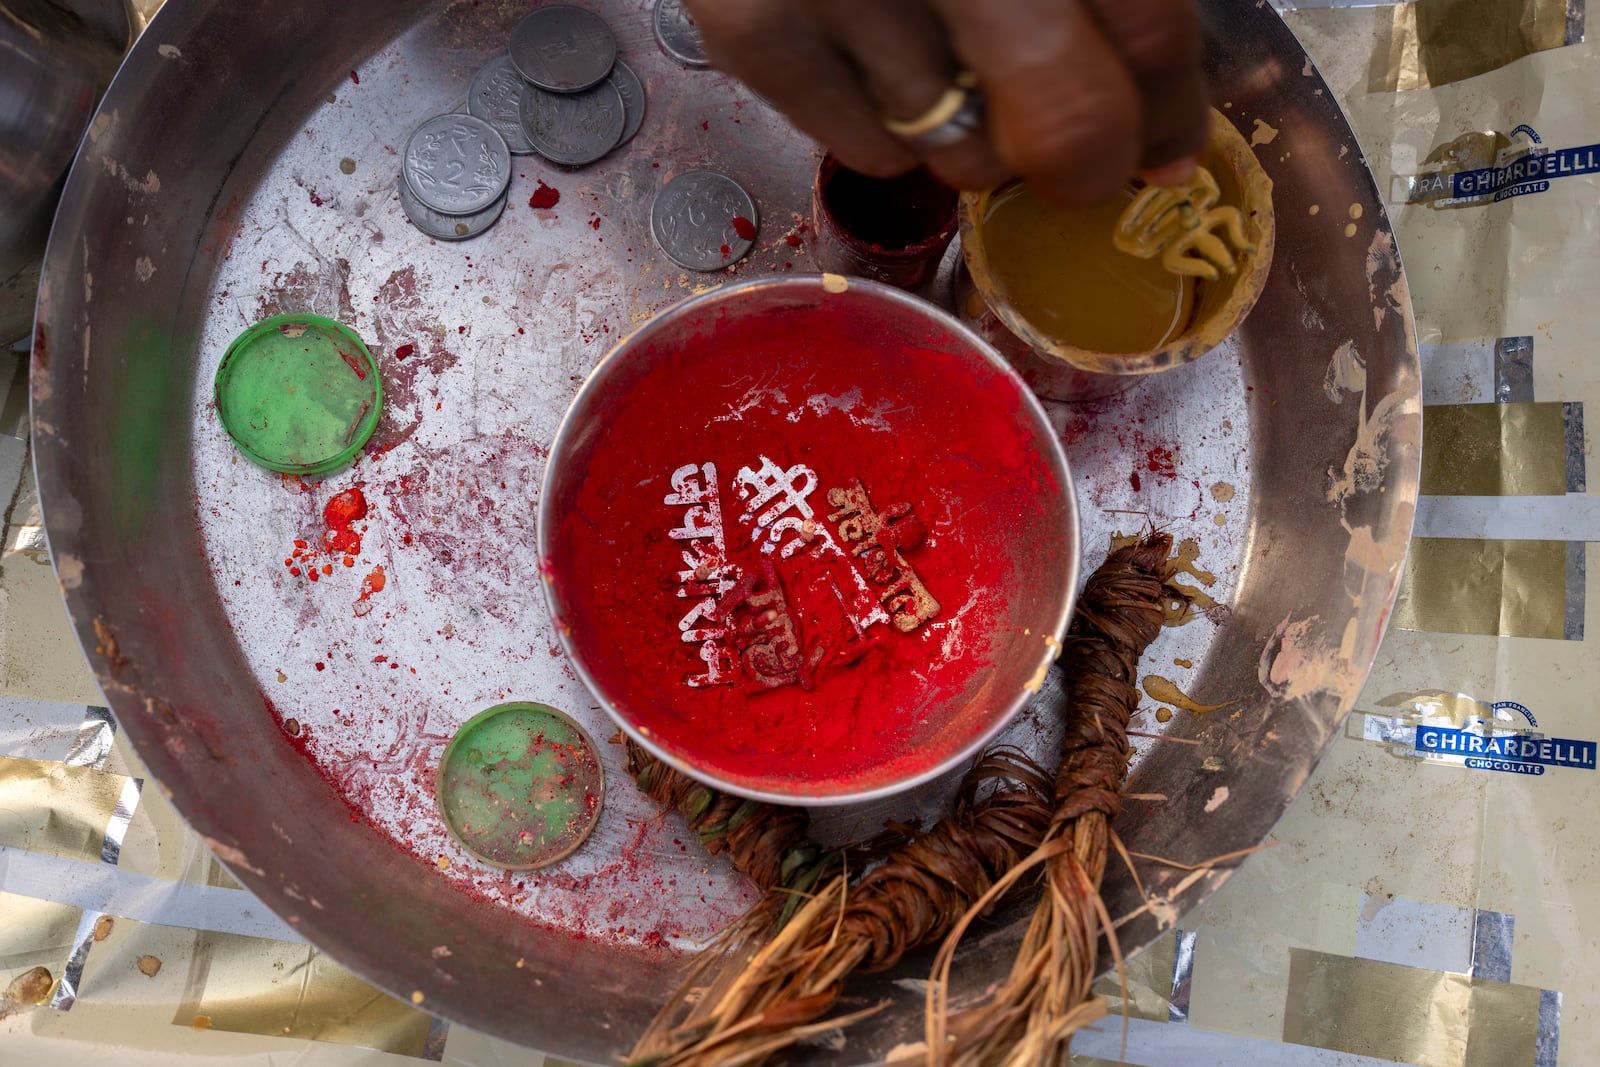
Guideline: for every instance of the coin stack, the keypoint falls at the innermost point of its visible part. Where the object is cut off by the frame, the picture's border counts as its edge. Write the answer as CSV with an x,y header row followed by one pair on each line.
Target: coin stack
x,y
562,87
560,91
454,177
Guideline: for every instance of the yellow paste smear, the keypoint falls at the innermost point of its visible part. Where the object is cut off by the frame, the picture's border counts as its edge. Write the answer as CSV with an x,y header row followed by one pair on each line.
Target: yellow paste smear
x,y
1057,268
1162,689
1184,226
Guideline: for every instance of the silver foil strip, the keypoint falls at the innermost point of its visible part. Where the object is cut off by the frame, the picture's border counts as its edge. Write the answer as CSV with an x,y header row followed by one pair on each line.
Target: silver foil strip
x,y
1182,976
1491,945
1513,370
142,898
66,994
1572,442
92,747
1577,590
438,1034
1577,16
1549,1038
1479,371
121,818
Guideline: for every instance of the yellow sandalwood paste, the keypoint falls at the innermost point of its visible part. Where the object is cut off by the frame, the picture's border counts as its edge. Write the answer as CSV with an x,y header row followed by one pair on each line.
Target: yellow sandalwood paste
x,y
1058,269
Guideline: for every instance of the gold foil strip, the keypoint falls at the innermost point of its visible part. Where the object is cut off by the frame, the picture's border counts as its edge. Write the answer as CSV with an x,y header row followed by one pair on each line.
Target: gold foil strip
x,y
1390,1012
1436,42
137,964
252,985
57,809
1495,450
35,933
1467,586
1149,977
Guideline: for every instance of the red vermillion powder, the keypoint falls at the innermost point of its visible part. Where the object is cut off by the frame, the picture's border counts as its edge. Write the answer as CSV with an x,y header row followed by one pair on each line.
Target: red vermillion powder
x,y
939,446
544,196
341,513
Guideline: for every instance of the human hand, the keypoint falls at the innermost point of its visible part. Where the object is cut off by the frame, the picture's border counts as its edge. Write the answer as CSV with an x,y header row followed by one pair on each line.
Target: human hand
x,y
1081,94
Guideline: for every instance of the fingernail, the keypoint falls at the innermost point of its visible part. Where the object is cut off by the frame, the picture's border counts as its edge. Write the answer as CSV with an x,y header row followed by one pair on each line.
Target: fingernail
x,y
1175,173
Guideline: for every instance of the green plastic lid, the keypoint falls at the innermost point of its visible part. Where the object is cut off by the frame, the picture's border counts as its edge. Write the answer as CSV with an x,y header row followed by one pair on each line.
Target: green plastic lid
x,y
520,786
299,394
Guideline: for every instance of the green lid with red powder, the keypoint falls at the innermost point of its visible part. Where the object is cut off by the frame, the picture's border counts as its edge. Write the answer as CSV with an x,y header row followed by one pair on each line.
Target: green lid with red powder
x,y
299,394
520,786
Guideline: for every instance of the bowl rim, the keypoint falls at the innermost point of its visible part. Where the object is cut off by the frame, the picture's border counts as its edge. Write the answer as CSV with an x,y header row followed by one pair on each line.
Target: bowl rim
x,y
825,286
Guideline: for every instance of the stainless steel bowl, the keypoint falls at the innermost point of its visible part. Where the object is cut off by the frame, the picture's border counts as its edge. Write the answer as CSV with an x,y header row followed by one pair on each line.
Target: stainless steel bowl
x,y
151,523
55,58
925,395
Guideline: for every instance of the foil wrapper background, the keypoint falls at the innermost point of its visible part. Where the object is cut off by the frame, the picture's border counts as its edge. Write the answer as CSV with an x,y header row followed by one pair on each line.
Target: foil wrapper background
x,y
1415,909
1435,42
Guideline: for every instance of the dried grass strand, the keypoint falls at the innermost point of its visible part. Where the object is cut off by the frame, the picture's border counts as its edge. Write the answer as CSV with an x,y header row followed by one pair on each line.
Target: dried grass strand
x,y
1030,1020
1007,821
772,998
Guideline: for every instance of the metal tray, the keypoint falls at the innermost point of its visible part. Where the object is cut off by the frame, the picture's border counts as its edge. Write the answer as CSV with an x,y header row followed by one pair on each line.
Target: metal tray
x,y
213,191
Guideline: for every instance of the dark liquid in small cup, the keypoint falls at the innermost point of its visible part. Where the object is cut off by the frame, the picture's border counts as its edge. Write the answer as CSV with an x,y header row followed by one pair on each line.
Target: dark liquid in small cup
x,y
888,214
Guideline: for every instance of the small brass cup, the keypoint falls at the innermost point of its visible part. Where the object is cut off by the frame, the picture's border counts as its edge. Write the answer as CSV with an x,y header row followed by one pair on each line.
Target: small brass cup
x,y
1059,370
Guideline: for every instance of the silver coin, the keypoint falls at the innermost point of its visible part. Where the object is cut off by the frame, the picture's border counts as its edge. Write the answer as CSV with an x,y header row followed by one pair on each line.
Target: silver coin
x,y
496,98
677,35
573,128
563,49
693,216
631,89
447,227
457,164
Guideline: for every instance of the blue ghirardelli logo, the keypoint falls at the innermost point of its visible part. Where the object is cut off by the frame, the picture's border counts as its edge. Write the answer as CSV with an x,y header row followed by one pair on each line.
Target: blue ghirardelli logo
x,y
1530,174
1459,729
1513,753
1487,168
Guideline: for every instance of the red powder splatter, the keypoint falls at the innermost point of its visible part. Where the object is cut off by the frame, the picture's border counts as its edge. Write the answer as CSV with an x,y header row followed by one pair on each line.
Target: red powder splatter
x,y
744,228
1160,461
544,196
706,125
858,703
793,239
1133,480
726,251
316,201
355,77
353,361
594,223
372,583
341,513
405,351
